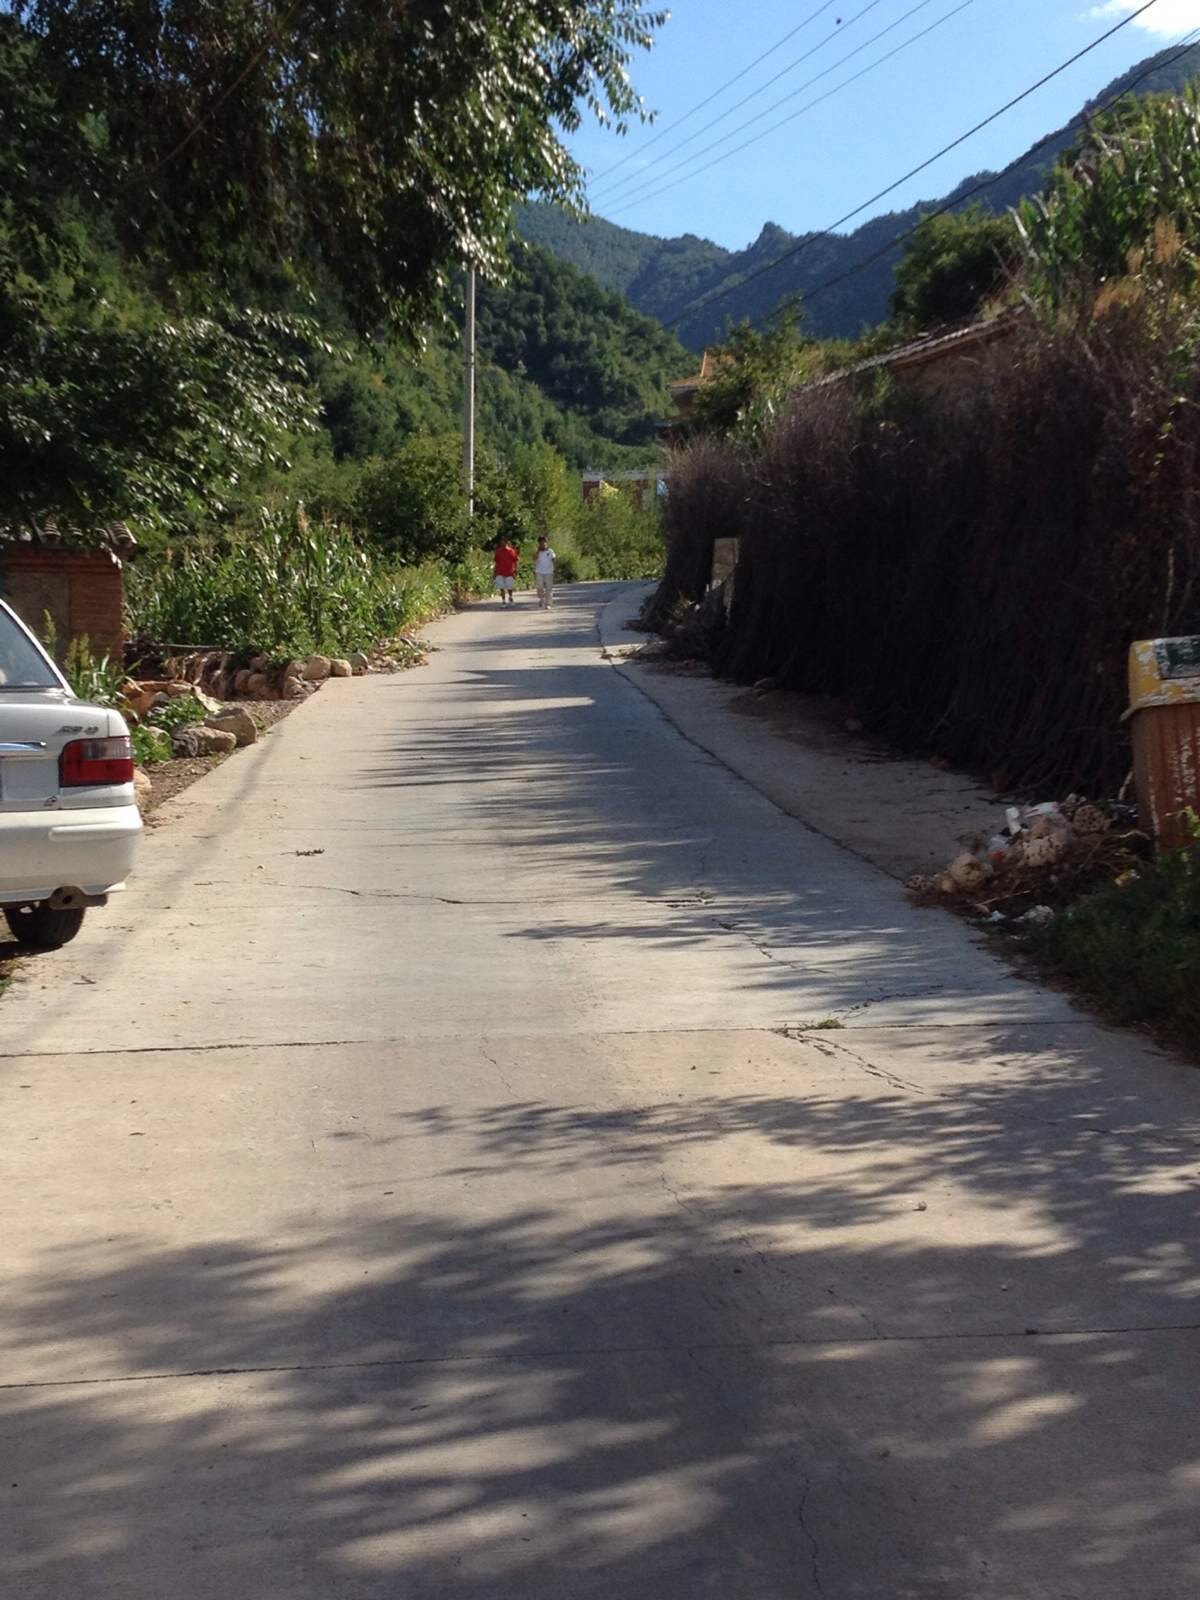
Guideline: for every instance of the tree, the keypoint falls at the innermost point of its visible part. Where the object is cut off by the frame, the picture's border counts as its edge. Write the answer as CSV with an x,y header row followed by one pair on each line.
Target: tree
x,y
251,141
164,168
954,262
753,373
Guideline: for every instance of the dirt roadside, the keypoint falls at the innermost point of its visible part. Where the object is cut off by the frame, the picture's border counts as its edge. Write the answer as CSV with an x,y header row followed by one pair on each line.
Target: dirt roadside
x,y
902,815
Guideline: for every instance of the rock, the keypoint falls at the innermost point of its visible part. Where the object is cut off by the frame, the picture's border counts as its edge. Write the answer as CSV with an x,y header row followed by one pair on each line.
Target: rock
x,y
238,722
241,680
178,686
316,669
160,699
766,686
293,689
339,668
258,687
197,739
139,697
142,787
359,663
213,707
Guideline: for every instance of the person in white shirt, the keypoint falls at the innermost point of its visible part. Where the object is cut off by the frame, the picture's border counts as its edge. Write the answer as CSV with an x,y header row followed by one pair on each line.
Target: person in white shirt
x,y
545,569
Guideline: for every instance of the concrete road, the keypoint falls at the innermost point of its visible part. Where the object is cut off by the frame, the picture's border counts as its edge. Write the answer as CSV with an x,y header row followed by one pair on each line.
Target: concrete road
x,y
491,1153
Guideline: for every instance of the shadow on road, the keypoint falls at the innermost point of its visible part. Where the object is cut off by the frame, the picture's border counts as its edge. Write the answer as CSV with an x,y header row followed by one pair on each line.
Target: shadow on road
x,y
665,1388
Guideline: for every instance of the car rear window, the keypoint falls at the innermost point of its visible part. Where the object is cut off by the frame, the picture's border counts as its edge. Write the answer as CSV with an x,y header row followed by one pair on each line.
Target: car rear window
x,y
22,664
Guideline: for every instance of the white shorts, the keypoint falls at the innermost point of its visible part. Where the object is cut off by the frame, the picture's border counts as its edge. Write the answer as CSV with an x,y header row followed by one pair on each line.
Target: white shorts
x,y
502,583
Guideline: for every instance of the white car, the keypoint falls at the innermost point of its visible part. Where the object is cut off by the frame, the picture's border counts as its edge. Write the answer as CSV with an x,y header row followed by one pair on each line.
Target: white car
x,y
69,824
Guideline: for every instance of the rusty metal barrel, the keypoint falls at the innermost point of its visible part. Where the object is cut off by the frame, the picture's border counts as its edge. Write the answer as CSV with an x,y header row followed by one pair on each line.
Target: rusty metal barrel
x,y
1164,713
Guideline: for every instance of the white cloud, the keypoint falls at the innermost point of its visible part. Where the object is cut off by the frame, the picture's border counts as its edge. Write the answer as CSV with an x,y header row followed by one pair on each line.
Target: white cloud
x,y
1167,17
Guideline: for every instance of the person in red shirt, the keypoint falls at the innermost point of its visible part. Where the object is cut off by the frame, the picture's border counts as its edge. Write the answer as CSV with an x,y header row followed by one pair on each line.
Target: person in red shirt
x,y
504,570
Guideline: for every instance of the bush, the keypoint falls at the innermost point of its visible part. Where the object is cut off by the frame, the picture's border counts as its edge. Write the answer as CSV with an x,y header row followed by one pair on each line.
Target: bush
x,y
618,539
412,503
1136,947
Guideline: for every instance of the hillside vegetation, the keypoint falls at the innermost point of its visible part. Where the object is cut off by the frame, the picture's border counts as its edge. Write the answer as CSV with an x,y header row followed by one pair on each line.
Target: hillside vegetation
x,y
663,277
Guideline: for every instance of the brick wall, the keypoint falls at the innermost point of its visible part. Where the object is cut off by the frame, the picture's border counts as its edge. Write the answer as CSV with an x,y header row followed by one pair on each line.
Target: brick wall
x,y
82,590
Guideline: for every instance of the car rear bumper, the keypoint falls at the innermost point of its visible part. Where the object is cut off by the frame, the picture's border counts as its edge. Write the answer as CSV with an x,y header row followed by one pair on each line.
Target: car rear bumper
x,y
92,850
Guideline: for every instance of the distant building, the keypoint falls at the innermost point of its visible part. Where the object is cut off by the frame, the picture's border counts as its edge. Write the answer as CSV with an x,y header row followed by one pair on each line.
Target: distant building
x,y
643,485
684,391
937,359
54,572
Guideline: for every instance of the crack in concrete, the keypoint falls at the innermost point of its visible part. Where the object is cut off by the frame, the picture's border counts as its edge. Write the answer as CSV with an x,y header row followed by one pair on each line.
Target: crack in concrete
x,y
423,1040
813,1547
732,1347
831,1048
500,1073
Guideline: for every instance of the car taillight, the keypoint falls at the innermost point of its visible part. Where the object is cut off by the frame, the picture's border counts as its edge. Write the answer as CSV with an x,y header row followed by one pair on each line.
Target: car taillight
x,y
86,762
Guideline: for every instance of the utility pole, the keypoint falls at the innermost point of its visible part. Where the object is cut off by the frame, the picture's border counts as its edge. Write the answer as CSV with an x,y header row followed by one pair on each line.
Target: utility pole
x,y
469,396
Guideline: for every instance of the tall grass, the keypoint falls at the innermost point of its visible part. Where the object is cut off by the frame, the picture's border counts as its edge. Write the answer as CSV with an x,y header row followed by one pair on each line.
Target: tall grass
x,y
291,587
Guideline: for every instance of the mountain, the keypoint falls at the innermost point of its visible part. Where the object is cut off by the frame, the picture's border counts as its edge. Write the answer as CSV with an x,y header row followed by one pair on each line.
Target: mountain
x,y
561,359
663,278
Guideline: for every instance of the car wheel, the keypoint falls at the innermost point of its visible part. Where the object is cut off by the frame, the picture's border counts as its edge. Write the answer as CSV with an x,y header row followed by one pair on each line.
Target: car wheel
x,y
43,928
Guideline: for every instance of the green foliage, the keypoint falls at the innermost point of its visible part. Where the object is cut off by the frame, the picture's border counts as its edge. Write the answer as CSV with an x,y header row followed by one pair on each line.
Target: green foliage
x,y
153,364
413,503
150,745
1136,947
95,679
618,539
1123,215
549,491
290,587
584,347
377,145
100,419
179,712
110,406
754,372
952,265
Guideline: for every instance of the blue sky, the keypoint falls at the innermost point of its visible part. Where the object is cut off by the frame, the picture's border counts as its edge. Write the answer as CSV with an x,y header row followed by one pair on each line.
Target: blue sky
x,y
835,154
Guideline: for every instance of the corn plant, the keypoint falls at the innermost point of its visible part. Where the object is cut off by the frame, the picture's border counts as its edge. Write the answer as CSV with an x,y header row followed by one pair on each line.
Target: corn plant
x,y
291,587
1122,214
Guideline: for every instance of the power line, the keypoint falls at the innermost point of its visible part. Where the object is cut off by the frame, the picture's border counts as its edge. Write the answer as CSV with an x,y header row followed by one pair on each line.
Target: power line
x,y
810,239
990,182
720,90
636,199
635,179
